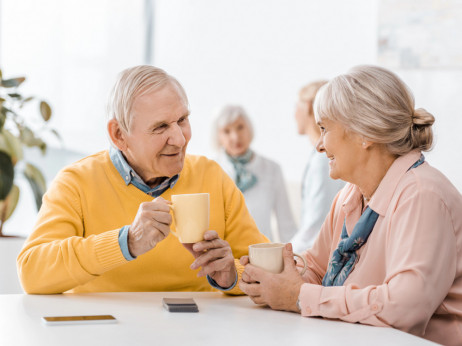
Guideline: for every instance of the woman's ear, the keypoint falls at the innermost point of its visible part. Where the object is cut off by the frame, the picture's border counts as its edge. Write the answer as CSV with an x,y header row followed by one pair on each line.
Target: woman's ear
x,y
365,143
116,134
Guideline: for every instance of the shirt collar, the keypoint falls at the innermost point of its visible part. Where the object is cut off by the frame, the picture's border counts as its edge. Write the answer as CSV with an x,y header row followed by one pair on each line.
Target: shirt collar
x,y
384,193
129,175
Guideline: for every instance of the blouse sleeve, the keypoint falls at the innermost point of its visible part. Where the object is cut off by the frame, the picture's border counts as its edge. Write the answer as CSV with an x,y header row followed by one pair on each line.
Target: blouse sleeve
x,y
421,264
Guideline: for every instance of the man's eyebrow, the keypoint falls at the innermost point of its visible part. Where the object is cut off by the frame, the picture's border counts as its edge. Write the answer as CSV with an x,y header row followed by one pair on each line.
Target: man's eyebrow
x,y
163,122
157,124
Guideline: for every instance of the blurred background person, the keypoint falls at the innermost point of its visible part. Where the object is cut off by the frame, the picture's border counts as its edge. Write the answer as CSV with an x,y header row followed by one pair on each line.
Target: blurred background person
x,y
260,179
318,188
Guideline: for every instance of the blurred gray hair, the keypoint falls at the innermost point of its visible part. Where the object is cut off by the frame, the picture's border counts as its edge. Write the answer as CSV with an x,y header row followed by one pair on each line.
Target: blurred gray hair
x,y
227,115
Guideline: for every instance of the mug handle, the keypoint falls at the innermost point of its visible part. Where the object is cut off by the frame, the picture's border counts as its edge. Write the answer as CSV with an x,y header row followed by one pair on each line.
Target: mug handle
x,y
304,263
171,228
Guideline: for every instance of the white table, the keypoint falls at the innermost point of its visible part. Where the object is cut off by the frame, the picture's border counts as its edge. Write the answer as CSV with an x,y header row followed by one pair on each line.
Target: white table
x,y
222,320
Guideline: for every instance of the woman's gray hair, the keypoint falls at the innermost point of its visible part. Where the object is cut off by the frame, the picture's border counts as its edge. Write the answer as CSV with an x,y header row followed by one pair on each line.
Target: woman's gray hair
x,y
227,115
375,103
133,82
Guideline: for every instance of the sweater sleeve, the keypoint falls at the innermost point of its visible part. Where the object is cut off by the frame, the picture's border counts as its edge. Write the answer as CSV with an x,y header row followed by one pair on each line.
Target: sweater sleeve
x,y
421,265
57,256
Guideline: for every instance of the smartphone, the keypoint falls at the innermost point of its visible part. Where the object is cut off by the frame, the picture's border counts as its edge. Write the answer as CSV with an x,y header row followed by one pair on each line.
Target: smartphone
x,y
89,319
180,305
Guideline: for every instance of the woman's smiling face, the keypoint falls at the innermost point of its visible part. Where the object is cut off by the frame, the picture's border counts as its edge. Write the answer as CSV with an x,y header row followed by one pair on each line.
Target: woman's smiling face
x,y
343,149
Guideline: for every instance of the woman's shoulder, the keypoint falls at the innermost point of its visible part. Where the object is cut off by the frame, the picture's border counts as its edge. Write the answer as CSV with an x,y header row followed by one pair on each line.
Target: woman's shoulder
x,y
262,162
428,182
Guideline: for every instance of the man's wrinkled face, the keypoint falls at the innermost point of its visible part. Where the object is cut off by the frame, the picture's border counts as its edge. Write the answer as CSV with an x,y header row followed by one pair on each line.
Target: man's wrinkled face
x,y
160,131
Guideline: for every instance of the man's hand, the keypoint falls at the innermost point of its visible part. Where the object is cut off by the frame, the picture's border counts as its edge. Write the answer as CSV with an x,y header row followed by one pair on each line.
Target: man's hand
x,y
151,225
215,257
278,291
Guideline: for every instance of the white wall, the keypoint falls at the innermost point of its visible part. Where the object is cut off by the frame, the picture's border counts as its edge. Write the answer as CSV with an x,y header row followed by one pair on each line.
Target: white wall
x,y
70,52
259,53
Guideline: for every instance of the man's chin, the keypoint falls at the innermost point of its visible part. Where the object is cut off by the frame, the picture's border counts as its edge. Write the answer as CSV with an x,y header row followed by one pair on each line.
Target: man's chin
x,y
174,168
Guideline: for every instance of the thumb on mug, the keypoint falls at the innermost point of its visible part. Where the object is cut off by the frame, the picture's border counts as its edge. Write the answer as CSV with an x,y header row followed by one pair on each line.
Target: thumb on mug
x,y
288,255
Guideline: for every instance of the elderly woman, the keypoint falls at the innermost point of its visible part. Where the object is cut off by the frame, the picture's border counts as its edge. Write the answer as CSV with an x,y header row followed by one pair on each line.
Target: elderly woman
x,y
260,179
390,251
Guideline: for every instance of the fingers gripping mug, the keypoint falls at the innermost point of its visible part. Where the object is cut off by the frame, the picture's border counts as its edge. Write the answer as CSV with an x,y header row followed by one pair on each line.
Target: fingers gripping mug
x,y
191,216
268,256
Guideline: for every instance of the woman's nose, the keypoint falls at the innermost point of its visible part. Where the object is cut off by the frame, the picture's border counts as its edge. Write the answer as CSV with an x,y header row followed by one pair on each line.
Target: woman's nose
x,y
320,145
234,136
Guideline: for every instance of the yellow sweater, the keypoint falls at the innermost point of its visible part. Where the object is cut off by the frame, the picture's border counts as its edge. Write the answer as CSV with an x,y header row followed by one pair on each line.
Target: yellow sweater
x,y
74,245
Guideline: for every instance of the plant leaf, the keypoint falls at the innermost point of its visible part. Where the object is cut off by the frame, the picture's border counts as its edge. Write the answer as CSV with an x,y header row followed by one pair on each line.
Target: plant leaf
x,y
6,175
36,181
11,201
11,145
27,137
45,110
53,131
13,82
2,120
24,101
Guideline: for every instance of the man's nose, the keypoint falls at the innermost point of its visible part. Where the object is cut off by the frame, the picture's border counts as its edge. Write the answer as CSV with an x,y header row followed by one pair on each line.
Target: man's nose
x,y
176,136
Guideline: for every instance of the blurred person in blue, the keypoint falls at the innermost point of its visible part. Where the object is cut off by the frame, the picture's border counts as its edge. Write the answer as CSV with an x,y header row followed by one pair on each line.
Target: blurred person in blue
x,y
318,188
260,179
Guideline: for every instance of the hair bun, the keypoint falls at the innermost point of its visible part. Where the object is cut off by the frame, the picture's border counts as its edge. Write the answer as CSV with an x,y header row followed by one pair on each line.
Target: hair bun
x,y
422,117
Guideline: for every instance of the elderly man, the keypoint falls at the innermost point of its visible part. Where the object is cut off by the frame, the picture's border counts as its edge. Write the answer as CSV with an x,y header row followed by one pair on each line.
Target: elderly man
x,y
105,224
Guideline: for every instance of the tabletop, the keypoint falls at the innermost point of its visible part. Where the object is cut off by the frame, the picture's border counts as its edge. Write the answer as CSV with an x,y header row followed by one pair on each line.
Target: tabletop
x,y
142,320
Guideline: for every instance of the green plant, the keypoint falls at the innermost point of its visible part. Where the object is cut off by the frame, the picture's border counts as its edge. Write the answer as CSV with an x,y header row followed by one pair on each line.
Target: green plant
x,y
16,132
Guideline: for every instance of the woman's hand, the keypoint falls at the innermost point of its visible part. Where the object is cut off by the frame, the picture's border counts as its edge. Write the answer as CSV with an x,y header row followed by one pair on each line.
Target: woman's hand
x,y
215,257
278,291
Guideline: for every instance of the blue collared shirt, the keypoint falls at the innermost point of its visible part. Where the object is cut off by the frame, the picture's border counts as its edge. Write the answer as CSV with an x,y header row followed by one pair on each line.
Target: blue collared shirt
x,y
131,177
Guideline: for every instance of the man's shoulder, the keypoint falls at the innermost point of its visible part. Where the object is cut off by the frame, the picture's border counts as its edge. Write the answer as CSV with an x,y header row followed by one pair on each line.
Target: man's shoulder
x,y
98,159
200,161
88,166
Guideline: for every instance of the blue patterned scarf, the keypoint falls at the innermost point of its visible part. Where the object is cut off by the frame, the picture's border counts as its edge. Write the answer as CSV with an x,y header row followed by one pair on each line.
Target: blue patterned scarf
x,y
244,179
344,257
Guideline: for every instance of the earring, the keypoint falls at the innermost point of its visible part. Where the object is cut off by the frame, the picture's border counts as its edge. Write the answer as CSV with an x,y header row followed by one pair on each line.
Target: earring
x,y
364,144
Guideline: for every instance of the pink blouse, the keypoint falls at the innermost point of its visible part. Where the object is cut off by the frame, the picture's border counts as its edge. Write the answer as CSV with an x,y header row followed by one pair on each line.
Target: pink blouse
x,y
409,273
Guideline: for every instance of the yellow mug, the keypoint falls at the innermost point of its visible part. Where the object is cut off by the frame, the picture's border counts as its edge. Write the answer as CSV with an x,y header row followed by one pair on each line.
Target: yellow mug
x,y
191,214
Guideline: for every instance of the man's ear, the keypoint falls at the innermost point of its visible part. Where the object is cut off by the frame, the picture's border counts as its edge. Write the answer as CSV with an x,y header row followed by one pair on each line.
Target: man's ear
x,y
116,134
